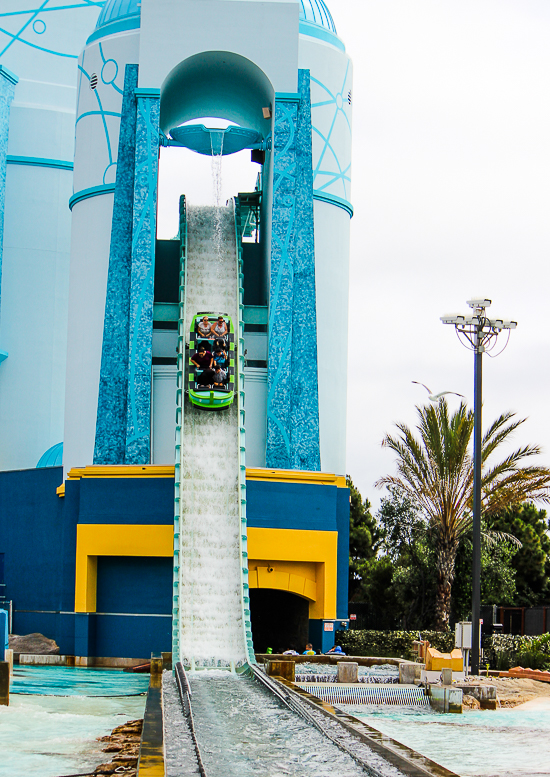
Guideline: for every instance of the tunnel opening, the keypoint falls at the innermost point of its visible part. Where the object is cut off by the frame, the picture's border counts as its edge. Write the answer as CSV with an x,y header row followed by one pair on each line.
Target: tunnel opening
x,y
280,620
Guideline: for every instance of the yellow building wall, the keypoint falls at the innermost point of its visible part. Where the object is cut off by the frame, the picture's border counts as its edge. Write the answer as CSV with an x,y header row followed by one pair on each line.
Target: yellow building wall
x,y
301,562
93,540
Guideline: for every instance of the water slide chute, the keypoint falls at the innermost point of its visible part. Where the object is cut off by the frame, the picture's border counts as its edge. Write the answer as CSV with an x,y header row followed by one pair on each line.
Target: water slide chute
x,y
211,608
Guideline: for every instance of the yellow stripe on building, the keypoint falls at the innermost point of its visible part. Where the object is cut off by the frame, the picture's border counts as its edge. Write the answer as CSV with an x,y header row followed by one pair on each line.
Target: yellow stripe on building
x,y
93,540
296,476
252,473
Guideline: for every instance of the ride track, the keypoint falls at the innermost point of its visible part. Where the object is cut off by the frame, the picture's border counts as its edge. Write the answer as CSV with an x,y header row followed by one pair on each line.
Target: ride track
x,y
211,612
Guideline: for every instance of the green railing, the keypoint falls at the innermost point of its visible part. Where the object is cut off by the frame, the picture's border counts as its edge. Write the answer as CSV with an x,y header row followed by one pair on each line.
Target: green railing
x,y
179,425
245,588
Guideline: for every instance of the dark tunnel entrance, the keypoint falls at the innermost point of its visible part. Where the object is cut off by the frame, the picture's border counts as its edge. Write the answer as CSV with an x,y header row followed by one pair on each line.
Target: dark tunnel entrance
x,y
280,620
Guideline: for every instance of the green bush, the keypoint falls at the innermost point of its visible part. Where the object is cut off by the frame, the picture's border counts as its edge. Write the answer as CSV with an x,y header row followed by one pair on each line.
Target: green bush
x,y
537,655
503,651
390,644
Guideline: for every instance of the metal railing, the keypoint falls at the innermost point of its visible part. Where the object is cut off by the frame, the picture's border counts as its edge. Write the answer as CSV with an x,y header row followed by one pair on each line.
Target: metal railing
x,y
240,381
180,376
185,695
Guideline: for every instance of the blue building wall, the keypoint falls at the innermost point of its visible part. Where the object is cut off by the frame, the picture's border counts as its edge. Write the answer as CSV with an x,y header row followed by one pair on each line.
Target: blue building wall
x,y
312,507
133,584
142,587
148,501
131,637
342,525
38,533
39,546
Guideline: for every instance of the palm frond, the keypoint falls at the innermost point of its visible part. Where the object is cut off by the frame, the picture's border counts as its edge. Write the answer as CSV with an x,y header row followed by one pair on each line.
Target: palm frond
x,y
493,537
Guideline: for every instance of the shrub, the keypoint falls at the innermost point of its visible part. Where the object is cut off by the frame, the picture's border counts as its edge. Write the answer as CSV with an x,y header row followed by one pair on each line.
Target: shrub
x,y
393,644
502,651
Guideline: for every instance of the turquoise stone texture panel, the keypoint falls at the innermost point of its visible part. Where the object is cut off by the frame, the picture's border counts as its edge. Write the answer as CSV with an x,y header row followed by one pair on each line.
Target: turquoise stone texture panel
x,y
293,403
110,440
138,414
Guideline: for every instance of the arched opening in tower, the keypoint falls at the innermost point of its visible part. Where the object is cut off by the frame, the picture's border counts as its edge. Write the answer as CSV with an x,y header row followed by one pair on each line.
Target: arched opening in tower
x,y
217,90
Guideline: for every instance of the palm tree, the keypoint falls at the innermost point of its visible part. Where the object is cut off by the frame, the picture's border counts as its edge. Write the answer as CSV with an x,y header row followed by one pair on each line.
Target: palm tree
x,y
435,471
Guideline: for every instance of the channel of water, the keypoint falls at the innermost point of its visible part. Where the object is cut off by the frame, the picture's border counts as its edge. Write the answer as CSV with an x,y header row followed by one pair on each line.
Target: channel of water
x,y
55,715
479,743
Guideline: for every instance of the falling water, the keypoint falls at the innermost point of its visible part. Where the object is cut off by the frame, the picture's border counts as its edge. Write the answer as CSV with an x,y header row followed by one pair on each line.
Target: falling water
x,y
216,165
211,630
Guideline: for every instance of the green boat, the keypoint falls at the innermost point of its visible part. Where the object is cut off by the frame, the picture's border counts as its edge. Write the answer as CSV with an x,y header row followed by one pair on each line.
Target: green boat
x,y
202,396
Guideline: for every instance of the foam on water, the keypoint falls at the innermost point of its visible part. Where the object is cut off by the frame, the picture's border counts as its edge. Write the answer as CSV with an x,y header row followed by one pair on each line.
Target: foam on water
x,y
211,625
479,743
52,735
379,670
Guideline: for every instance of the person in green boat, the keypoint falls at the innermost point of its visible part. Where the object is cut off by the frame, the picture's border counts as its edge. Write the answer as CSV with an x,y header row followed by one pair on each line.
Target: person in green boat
x,y
220,375
203,360
220,357
219,329
204,327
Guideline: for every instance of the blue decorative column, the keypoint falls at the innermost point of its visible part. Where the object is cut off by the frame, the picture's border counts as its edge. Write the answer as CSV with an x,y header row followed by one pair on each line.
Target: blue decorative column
x,y
7,88
293,403
138,417
110,440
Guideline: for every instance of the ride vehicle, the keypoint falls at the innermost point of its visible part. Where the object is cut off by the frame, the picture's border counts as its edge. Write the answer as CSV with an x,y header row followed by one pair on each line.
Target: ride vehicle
x,y
211,398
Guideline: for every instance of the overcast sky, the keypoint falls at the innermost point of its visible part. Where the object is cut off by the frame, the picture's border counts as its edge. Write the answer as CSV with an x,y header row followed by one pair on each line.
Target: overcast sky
x,y
451,190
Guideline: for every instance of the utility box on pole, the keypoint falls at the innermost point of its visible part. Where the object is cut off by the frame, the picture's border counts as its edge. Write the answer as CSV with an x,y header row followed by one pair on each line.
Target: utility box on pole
x,y
463,635
463,640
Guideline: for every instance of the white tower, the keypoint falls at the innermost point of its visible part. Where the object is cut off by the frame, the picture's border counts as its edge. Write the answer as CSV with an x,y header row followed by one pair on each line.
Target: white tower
x,y
40,47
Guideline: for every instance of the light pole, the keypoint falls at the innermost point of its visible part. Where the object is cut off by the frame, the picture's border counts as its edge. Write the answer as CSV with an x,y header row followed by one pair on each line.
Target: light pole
x,y
479,334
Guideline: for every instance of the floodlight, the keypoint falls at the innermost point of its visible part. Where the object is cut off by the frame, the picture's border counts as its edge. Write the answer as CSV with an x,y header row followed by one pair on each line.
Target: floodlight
x,y
479,302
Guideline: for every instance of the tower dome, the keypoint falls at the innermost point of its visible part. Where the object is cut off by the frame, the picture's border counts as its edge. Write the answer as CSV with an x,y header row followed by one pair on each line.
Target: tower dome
x,y
313,11
316,12
115,10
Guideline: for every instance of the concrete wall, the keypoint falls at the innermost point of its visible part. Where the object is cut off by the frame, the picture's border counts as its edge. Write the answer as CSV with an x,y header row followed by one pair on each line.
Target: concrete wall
x,y
97,136
164,412
256,409
238,26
